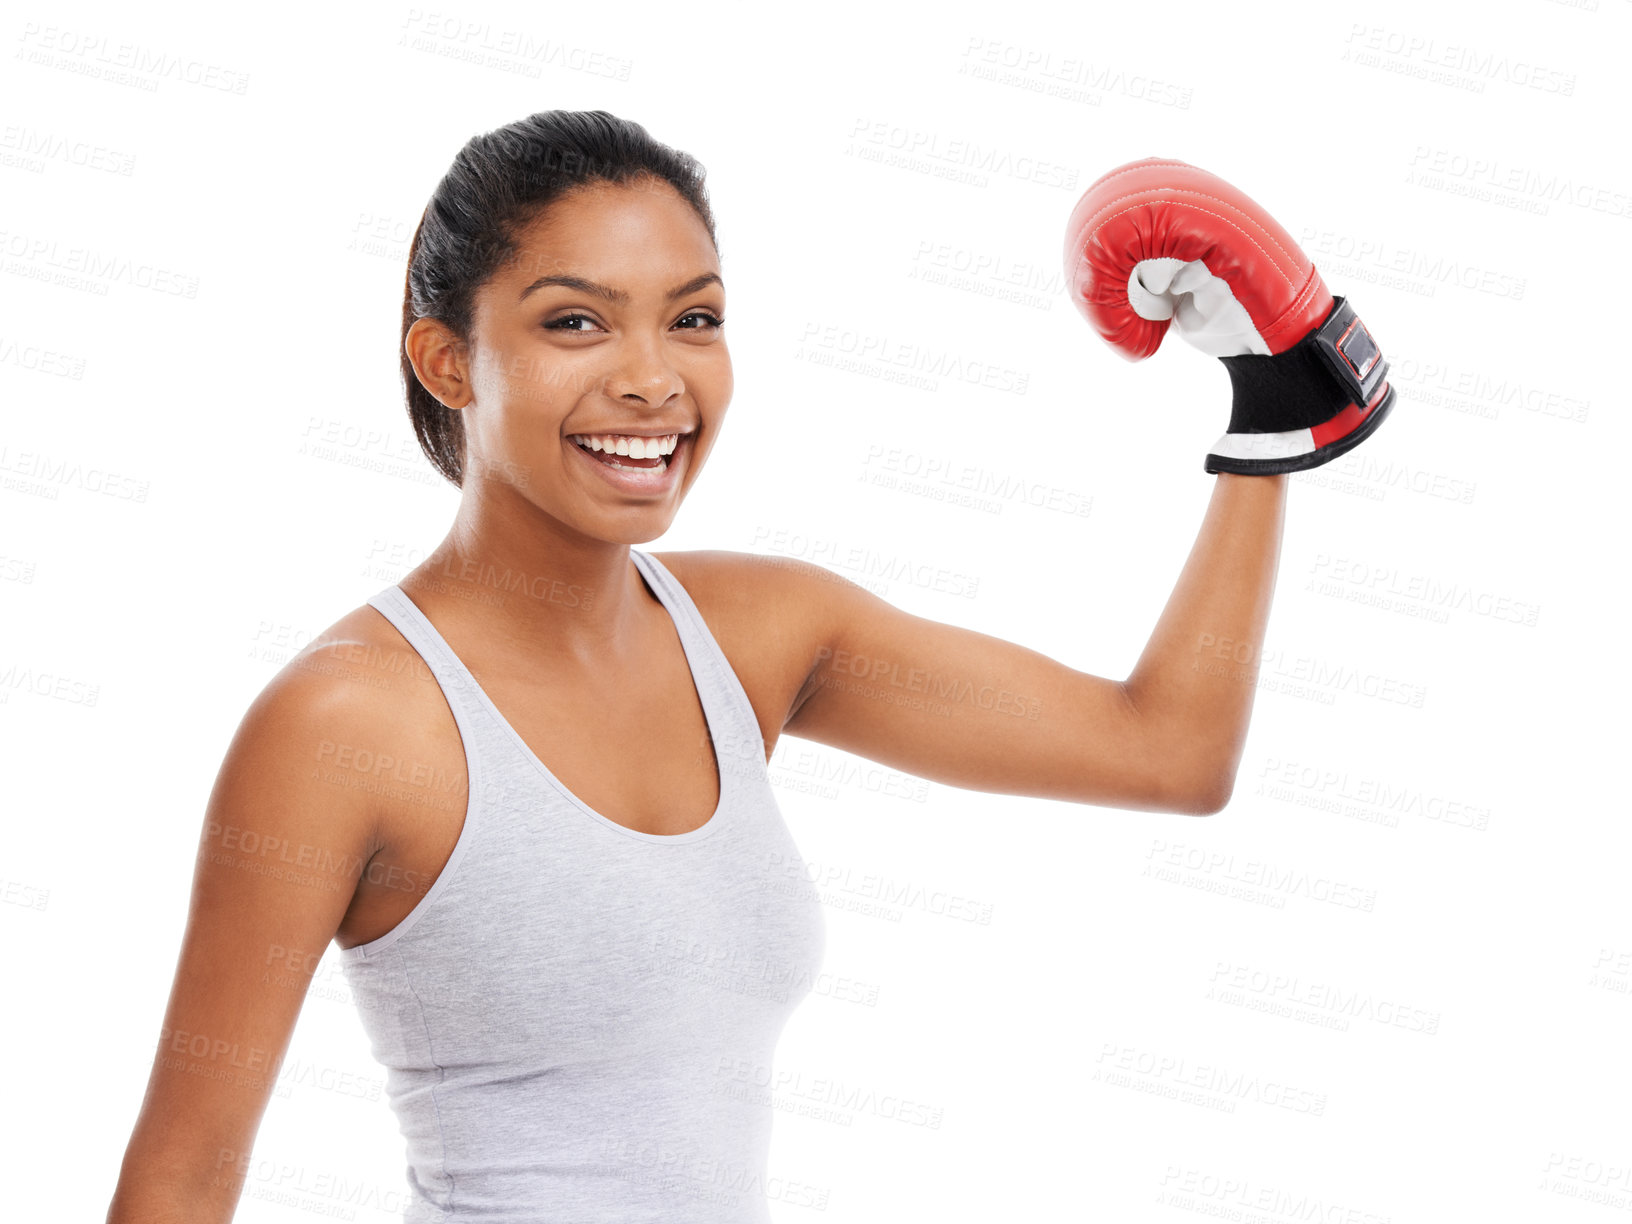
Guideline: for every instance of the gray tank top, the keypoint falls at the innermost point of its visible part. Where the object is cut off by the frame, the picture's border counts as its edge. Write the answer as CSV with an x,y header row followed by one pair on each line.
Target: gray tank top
x,y
577,1020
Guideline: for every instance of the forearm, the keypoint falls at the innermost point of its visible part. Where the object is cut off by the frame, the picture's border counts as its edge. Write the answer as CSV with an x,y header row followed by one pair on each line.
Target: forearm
x,y
147,1200
1197,675
159,1184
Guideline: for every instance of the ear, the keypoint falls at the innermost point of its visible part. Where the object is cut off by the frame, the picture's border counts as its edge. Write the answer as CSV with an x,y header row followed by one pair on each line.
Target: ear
x,y
441,360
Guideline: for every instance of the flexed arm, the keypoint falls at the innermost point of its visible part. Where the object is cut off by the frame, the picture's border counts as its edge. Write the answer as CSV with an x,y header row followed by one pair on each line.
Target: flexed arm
x,y
1152,244
972,710
1199,670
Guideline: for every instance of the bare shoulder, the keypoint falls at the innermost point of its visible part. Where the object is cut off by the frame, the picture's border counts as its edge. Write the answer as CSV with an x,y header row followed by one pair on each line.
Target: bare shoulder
x,y
360,670
356,701
776,619
291,773
356,732
758,583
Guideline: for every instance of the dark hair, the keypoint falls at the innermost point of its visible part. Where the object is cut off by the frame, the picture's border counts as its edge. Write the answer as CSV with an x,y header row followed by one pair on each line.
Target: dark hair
x,y
498,184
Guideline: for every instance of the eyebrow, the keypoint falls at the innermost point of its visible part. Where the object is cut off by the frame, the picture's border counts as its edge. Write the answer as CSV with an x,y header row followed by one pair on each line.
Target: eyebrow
x,y
584,285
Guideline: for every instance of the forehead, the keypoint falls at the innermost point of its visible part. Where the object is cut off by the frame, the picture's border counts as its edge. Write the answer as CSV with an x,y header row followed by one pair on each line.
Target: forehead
x,y
636,232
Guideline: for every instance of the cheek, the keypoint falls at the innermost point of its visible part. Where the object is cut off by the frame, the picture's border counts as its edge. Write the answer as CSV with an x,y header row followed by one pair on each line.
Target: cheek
x,y
492,373
719,380
529,391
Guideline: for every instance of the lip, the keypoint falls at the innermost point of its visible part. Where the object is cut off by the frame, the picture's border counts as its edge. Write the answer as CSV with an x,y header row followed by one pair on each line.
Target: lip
x,y
634,481
684,432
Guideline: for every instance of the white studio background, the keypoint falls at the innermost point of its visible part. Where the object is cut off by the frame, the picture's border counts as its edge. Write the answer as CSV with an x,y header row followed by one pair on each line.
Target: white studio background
x,y
1389,982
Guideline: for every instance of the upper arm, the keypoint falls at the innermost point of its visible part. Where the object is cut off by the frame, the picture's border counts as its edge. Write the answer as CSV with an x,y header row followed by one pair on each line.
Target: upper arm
x,y
279,856
968,709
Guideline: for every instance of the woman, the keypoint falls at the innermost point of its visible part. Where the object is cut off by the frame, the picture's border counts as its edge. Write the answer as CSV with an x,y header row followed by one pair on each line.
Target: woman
x,y
525,788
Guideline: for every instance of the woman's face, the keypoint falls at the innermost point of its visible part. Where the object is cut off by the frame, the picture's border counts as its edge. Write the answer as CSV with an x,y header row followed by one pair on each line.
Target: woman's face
x,y
606,322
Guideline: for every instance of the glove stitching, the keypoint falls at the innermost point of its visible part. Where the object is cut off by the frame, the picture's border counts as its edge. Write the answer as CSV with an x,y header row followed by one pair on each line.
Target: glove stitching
x,y
1297,304
1216,199
1080,243
1294,262
1149,165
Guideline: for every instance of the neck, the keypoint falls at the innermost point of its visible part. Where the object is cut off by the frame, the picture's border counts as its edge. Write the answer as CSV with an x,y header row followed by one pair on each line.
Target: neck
x,y
533,579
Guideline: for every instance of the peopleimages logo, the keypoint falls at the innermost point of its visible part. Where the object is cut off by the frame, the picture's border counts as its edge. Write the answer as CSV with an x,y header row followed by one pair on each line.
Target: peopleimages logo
x,y
1376,261
1491,180
1068,77
918,149
1449,63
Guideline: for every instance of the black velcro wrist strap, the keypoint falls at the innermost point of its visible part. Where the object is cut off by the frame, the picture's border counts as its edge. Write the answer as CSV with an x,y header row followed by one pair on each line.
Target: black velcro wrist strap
x,y
1335,365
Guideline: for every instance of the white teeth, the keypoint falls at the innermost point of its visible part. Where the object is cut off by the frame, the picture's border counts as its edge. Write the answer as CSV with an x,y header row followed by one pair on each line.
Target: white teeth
x,y
623,444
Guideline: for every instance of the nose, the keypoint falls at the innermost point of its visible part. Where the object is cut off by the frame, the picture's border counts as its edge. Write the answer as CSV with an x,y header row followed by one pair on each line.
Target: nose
x,y
642,370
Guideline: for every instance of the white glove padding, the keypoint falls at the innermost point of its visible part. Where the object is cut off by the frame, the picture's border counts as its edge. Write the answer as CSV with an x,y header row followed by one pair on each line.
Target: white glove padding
x,y
1204,311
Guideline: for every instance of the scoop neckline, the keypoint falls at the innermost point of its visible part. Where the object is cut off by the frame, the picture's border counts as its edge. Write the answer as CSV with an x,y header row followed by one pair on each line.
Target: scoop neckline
x,y
689,644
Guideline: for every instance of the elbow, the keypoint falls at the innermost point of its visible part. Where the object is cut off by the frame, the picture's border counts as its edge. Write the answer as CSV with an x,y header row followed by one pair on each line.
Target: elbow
x,y
1212,798
1182,796
1183,771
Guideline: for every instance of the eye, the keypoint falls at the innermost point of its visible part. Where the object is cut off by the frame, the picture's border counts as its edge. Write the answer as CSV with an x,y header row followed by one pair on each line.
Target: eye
x,y
561,323
710,321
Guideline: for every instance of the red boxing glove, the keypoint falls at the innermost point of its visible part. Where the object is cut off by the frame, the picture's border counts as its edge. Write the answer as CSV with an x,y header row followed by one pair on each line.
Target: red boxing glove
x,y
1159,242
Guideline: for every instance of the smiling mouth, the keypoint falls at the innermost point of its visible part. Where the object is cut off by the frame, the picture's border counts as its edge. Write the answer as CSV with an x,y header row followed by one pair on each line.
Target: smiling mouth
x,y
616,450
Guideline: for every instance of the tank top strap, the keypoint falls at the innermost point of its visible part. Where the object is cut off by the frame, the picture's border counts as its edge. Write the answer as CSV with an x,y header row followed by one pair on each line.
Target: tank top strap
x,y
724,688
458,685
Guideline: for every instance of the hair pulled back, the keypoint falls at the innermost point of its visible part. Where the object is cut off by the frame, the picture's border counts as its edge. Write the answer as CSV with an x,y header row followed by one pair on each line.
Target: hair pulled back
x,y
498,184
